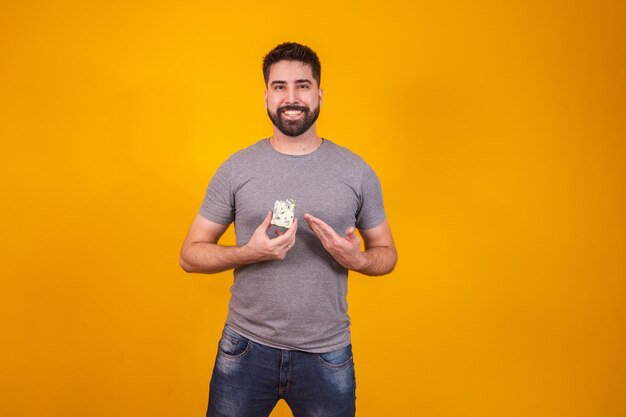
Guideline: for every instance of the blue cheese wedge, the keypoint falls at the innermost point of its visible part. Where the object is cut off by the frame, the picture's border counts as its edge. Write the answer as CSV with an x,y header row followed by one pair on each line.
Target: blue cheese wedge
x,y
284,212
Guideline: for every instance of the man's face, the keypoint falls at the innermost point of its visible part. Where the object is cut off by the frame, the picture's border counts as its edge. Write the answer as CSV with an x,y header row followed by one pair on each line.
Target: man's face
x,y
292,97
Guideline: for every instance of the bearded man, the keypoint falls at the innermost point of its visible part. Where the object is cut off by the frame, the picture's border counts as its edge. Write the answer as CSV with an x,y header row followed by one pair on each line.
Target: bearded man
x,y
287,333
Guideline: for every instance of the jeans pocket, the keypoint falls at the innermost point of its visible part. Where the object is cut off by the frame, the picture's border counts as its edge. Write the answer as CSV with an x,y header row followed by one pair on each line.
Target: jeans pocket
x,y
233,344
337,358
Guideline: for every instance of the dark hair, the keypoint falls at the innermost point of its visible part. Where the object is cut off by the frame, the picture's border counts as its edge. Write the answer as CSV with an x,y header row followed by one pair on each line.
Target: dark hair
x,y
291,51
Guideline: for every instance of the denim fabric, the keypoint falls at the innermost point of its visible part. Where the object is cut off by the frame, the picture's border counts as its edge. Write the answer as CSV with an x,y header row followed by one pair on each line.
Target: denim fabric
x,y
249,379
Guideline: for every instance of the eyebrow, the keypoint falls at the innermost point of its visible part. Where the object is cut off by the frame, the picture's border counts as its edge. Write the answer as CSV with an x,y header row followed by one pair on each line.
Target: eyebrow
x,y
303,81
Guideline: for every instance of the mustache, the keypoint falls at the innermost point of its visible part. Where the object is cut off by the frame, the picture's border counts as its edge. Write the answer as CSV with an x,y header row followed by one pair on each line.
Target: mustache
x,y
292,107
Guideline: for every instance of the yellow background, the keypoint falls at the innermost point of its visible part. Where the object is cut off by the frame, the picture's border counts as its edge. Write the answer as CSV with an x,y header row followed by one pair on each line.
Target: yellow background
x,y
496,128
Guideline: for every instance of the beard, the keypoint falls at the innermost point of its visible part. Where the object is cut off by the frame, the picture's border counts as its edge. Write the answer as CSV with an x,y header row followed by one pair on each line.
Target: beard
x,y
294,127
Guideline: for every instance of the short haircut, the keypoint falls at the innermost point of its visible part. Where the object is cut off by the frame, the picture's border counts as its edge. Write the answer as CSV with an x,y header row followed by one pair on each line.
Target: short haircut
x,y
291,51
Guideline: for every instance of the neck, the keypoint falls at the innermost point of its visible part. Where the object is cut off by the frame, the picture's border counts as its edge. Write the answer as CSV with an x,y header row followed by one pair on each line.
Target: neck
x,y
295,145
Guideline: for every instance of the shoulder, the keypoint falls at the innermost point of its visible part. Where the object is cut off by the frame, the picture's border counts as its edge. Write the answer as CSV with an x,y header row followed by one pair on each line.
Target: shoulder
x,y
247,158
344,154
347,158
251,152
242,160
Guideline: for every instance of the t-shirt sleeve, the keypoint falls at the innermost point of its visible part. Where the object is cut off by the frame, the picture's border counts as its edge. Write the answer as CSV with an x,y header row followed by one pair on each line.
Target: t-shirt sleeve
x,y
371,211
219,204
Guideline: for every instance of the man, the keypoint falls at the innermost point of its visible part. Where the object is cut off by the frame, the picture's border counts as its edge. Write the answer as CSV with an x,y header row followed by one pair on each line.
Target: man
x,y
287,334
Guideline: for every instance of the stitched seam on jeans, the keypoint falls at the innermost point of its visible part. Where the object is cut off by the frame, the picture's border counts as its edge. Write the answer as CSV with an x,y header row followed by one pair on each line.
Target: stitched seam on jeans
x,y
333,365
229,356
292,359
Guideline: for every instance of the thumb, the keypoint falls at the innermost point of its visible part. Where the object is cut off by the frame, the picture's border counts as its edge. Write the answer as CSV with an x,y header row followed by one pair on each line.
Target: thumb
x,y
351,236
266,221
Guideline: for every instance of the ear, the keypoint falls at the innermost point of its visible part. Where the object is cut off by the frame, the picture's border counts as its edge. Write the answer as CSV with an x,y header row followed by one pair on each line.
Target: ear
x,y
266,99
321,93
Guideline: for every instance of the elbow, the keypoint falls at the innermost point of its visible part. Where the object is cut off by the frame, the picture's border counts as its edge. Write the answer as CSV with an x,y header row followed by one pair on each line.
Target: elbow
x,y
386,265
186,266
393,260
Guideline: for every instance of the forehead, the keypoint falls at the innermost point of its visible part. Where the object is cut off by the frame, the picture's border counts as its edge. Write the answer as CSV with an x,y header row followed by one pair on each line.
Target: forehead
x,y
290,71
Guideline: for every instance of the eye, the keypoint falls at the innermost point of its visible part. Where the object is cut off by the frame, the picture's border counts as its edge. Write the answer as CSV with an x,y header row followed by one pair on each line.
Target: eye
x,y
303,86
278,87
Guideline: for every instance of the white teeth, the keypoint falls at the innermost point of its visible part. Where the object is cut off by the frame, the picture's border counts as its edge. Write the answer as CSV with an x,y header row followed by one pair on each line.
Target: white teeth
x,y
293,112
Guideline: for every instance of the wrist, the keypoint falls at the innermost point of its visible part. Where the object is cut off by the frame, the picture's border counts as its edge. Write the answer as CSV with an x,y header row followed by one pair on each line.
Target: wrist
x,y
247,255
363,262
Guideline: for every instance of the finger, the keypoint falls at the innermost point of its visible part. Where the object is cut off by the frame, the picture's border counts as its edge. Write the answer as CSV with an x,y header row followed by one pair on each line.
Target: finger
x,y
309,218
325,229
316,220
294,227
289,233
319,232
266,221
316,225
351,235
322,230
313,226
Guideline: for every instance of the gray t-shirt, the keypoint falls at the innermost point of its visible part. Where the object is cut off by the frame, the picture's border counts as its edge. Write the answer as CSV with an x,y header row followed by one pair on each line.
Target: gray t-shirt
x,y
299,302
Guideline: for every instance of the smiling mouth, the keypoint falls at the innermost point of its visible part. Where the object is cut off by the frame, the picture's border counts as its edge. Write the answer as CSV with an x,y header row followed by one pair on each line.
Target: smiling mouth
x,y
292,114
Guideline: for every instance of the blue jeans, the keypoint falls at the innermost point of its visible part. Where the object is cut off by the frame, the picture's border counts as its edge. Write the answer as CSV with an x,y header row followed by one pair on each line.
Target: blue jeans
x,y
249,379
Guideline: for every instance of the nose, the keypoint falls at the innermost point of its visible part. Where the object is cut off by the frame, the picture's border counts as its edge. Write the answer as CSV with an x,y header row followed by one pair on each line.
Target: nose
x,y
292,96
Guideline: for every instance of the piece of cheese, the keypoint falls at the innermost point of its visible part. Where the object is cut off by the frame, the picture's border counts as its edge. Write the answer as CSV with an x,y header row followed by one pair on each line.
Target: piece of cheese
x,y
284,213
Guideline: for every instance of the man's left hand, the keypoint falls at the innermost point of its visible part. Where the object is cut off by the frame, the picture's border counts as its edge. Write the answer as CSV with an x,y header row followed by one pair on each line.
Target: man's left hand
x,y
346,250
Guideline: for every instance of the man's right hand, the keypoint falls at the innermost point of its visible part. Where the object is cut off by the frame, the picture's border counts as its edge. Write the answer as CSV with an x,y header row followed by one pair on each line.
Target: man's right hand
x,y
262,248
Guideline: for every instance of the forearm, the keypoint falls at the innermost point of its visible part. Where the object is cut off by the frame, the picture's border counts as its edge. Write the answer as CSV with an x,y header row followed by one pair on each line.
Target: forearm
x,y
211,258
378,260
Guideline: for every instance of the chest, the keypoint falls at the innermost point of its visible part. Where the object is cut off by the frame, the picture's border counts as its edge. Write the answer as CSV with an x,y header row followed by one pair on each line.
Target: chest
x,y
325,192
